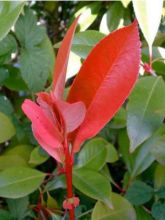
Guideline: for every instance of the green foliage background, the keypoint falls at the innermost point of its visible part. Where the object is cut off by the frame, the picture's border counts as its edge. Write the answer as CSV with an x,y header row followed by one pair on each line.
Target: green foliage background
x,y
124,166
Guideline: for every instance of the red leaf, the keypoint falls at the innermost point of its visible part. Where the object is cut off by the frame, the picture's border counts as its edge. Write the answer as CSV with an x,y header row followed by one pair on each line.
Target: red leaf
x,y
106,79
62,61
44,129
73,114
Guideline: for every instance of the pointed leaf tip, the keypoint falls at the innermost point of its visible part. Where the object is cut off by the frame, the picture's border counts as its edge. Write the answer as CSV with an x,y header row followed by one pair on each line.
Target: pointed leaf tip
x,y
62,61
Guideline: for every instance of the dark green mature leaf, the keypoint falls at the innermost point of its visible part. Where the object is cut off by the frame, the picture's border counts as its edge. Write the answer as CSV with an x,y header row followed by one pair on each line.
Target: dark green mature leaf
x,y
93,155
19,181
159,178
7,46
142,214
7,130
19,208
144,158
89,183
27,31
158,149
158,211
36,65
5,215
37,56
122,209
139,193
161,192
56,183
123,142
8,15
5,105
3,75
83,42
113,18
145,100
14,80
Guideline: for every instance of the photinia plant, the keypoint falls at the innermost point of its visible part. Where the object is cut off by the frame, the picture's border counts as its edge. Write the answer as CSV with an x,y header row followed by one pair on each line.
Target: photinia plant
x,y
103,83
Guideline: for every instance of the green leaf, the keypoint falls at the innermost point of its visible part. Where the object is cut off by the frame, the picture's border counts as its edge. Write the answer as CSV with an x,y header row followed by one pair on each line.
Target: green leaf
x,y
142,119
89,182
3,74
88,15
123,142
51,202
93,155
83,42
139,193
159,177
112,155
159,40
158,211
37,157
119,121
5,215
7,129
27,31
11,161
19,208
143,158
5,105
106,172
158,54
161,192
19,181
14,80
122,209
142,214
8,15
36,65
113,19
158,150
7,46
37,56
22,150
55,217
149,16
56,183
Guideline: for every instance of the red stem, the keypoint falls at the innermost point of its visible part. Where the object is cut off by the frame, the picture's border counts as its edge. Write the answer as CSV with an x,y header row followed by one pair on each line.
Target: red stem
x,y
68,172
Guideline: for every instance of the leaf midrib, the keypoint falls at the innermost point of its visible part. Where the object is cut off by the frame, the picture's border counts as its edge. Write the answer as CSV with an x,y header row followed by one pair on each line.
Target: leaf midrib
x,y
102,197
23,180
93,157
145,107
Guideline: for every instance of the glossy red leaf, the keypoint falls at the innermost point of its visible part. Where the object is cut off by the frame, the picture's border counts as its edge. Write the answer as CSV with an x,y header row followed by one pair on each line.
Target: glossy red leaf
x,y
62,61
105,80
